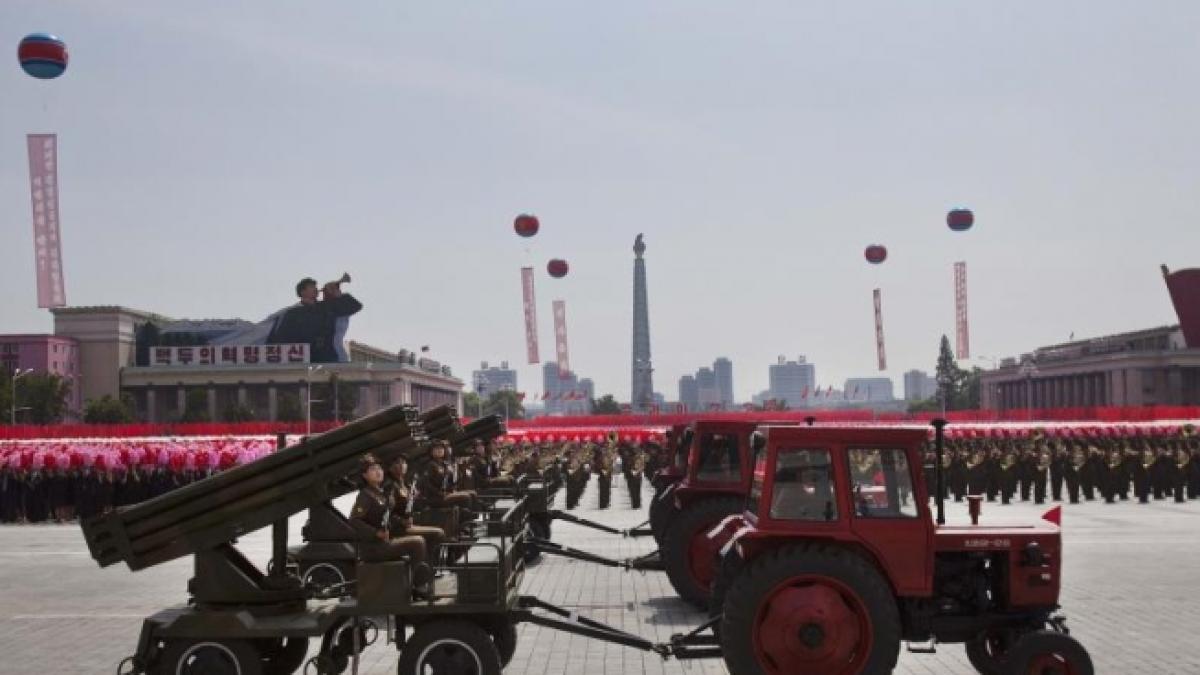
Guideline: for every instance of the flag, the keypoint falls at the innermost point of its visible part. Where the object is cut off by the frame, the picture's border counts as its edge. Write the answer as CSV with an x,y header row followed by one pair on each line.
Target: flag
x,y
530,306
43,182
560,339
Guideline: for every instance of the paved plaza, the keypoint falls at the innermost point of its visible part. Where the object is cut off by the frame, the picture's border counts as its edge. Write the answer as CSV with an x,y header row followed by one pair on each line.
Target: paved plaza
x,y
1130,595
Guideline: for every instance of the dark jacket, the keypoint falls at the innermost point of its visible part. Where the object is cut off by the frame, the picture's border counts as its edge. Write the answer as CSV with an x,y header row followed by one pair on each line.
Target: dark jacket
x,y
370,513
314,325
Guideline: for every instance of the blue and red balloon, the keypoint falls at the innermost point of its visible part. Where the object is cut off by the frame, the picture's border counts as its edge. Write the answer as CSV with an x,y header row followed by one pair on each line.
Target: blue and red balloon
x,y
42,55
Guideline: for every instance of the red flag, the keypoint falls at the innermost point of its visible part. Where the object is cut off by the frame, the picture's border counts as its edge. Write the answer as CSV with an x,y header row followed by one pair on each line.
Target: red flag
x,y
1054,515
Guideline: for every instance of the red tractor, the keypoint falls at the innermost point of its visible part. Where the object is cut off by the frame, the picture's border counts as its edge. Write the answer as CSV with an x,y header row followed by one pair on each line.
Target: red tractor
x,y
679,443
837,559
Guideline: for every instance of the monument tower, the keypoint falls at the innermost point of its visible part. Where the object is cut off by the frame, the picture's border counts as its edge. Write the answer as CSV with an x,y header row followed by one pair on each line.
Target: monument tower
x,y
642,396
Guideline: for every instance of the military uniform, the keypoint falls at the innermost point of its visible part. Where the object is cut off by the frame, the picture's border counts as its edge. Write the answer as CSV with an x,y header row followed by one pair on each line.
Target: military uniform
x,y
370,518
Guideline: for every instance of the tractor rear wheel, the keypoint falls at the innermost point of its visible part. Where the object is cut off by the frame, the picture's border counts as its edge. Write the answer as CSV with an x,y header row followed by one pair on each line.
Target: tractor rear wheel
x,y
283,656
729,566
1048,653
810,608
687,555
449,647
662,510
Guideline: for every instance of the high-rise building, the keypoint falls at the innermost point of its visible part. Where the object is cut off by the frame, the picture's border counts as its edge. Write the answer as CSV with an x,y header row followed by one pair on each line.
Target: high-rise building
x,y
689,393
708,395
489,380
642,396
919,386
869,389
566,395
723,368
793,382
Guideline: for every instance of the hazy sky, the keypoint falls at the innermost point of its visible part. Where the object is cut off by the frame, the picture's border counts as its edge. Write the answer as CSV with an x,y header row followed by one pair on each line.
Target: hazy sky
x,y
212,156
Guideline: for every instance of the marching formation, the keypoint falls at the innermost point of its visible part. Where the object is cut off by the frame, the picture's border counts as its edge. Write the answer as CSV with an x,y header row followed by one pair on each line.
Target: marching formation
x,y
1110,463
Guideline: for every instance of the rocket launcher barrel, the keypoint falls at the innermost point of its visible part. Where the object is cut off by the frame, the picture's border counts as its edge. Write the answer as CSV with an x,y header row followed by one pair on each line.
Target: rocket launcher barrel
x,y
245,498
484,429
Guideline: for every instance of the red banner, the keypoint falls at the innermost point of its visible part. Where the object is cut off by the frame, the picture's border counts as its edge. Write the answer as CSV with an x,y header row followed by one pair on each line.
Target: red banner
x,y
962,333
879,331
560,339
43,184
531,337
1184,287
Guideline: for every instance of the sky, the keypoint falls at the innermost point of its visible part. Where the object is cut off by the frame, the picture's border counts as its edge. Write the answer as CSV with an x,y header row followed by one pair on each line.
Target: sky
x,y
211,156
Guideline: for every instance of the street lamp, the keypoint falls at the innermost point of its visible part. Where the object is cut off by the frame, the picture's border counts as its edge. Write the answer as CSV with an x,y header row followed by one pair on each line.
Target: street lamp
x,y
17,374
308,399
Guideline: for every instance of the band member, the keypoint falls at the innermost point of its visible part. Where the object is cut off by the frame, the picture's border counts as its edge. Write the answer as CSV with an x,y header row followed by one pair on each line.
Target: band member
x,y
371,519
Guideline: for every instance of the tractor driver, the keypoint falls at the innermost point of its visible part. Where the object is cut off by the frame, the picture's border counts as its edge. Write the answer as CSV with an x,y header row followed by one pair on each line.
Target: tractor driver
x,y
370,519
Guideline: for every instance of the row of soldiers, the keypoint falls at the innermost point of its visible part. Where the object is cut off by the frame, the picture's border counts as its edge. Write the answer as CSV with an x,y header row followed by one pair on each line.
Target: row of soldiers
x,y
1111,469
44,495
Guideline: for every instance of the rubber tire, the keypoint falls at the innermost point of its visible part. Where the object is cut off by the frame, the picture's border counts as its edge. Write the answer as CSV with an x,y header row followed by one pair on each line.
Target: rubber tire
x,y
763,574
465,633
662,511
283,660
982,659
727,570
676,546
1030,645
504,635
248,659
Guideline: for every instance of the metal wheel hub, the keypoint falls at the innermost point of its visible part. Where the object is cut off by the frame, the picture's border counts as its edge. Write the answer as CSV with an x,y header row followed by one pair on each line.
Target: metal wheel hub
x,y
810,628
449,657
1050,664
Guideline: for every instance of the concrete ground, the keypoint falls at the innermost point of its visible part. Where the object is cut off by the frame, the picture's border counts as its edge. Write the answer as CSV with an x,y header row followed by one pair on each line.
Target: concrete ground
x,y
1129,593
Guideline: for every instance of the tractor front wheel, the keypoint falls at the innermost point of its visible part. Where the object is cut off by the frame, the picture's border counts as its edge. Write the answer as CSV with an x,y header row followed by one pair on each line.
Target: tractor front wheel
x,y
209,657
810,609
449,647
687,554
1048,653
987,652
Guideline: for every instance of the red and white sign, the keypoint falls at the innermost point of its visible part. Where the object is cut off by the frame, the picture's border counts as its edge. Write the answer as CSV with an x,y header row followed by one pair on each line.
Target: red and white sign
x,y
47,247
962,329
229,355
879,331
531,337
560,339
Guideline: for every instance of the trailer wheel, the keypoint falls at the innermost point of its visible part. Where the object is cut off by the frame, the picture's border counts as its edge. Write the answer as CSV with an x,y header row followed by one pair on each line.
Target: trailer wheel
x,y
810,609
686,553
987,652
209,657
1048,653
451,647
662,510
504,635
323,575
281,657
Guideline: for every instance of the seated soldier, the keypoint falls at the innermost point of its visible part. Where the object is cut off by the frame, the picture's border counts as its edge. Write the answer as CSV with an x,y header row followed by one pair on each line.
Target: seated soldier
x,y
370,520
485,467
436,485
401,522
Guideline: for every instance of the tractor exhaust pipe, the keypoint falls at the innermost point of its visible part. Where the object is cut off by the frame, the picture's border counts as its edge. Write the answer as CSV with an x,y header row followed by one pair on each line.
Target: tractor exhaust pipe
x,y
939,445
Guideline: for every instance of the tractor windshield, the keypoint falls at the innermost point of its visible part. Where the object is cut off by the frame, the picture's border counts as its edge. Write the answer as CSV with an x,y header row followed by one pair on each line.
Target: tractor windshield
x,y
882,483
804,486
682,449
719,458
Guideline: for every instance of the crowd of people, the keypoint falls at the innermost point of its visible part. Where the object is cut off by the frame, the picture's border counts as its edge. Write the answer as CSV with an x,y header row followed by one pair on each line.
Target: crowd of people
x,y
1109,463
60,481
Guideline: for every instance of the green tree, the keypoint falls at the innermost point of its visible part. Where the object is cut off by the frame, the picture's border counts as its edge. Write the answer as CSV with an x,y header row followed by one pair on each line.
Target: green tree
x,y
326,394
195,406
288,408
928,405
949,376
107,410
505,402
472,404
43,396
236,412
606,405
968,394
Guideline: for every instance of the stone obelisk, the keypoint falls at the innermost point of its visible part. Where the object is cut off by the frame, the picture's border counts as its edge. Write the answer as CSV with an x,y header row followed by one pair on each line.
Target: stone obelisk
x,y
642,396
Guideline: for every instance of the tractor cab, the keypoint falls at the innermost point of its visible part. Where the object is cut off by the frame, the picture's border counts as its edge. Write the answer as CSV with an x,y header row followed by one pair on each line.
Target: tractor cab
x,y
837,559
678,444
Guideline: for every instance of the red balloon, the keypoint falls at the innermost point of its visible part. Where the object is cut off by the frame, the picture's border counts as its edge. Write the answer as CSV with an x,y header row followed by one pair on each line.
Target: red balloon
x,y
557,268
960,220
526,225
876,254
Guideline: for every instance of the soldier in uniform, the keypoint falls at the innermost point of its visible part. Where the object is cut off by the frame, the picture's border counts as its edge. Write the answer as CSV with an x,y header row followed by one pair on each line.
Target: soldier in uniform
x,y
633,469
1040,470
1058,468
602,465
371,517
400,522
1194,470
436,485
485,467
1071,474
1179,474
577,478
1009,469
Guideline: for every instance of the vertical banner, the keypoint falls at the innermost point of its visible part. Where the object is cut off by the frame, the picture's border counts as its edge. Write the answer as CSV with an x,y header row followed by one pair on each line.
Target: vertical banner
x,y
43,184
879,331
962,331
560,339
531,338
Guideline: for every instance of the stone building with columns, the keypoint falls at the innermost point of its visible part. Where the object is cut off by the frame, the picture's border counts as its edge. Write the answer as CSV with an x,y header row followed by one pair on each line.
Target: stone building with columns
x,y
107,340
1140,368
